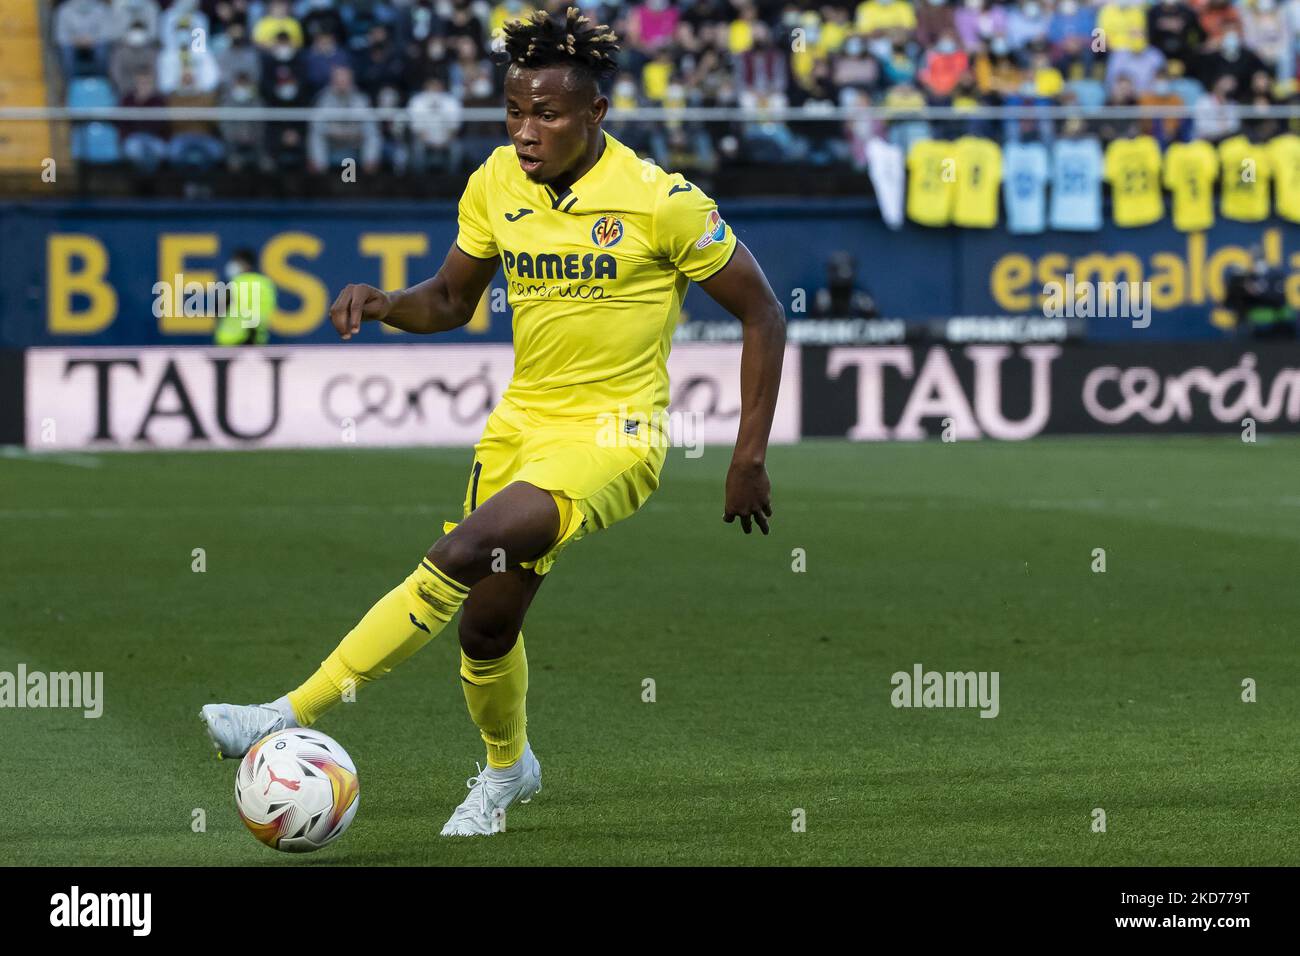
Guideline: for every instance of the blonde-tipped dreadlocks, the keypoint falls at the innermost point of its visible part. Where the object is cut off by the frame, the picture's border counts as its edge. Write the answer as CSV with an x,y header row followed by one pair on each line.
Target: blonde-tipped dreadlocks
x,y
568,39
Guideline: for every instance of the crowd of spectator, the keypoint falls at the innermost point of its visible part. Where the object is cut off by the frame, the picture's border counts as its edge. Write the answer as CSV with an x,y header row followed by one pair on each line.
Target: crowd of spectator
x,y
432,57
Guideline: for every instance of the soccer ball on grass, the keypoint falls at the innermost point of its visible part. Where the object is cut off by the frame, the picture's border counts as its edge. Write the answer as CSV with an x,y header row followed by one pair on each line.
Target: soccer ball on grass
x,y
297,790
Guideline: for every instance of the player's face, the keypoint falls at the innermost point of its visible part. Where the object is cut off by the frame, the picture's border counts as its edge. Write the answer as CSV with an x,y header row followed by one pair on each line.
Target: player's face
x,y
551,117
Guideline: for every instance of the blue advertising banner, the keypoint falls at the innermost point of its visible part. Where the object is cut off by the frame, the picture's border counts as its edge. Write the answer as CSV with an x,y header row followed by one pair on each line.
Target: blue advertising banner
x,y
106,273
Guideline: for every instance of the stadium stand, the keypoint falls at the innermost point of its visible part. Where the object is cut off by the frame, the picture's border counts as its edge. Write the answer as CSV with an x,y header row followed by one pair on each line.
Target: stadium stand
x,y
433,58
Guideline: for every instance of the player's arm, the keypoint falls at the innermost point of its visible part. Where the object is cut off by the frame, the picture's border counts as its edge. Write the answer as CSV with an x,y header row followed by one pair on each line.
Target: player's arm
x,y
445,302
742,289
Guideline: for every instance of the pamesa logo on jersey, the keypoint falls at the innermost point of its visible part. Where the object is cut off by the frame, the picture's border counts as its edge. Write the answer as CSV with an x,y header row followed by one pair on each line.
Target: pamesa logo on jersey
x,y
607,231
552,265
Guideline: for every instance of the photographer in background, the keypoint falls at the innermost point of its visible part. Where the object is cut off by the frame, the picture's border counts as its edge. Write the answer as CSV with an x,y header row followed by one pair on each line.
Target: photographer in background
x,y
249,305
1257,297
842,299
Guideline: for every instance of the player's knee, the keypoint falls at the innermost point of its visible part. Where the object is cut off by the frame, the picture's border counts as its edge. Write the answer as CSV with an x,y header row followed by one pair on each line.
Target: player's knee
x,y
456,553
467,553
487,640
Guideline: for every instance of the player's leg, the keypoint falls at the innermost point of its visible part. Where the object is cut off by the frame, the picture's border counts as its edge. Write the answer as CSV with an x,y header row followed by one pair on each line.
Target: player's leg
x,y
518,523
494,678
494,663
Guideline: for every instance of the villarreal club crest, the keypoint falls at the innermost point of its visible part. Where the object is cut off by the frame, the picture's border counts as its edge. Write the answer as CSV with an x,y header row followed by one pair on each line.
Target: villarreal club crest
x,y
607,231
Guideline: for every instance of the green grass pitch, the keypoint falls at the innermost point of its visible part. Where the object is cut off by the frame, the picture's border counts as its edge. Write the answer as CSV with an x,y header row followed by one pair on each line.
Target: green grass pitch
x,y
1120,690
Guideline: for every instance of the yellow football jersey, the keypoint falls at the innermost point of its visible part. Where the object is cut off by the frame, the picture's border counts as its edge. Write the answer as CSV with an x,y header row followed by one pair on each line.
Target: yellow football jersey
x,y
1246,172
595,275
1284,154
979,174
931,181
1133,171
1190,172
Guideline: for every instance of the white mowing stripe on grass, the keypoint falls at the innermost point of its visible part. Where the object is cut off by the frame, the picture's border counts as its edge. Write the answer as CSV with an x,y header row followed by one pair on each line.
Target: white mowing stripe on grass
x,y
14,453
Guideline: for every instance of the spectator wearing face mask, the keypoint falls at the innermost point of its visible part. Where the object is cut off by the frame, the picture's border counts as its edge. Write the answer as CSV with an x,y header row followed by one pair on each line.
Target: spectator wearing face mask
x,y
624,96
199,64
282,56
478,139
1219,17
277,23
243,138
463,23
762,68
319,61
286,143
977,24
1124,23
899,66
855,67
417,24
1069,37
997,74
131,13
182,23
135,52
236,54
1026,25
831,33
934,18
1040,85
330,141
1264,30
1174,29
1214,115
1228,57
1160,93
1139,67
432,61
362,16
1047,79
435,123
378,66
944,66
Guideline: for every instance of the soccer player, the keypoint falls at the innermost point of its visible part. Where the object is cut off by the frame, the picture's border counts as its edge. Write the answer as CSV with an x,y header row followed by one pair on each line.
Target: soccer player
x,y
598,250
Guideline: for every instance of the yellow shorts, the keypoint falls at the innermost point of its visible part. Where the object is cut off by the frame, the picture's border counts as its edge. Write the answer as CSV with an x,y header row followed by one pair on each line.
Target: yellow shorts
x,y
607,468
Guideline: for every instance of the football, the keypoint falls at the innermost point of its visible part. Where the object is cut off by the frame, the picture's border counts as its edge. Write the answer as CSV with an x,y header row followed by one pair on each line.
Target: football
x,y
297,790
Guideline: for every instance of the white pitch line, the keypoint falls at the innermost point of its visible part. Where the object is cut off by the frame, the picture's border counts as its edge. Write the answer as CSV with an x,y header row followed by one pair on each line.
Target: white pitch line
x,y
14,453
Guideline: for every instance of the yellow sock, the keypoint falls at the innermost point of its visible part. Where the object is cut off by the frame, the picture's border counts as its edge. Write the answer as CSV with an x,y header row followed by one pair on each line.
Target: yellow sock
x,y
400,623
495,692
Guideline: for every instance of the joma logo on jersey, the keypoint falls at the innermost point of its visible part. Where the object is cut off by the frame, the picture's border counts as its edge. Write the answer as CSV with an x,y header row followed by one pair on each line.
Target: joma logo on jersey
x,y
552,265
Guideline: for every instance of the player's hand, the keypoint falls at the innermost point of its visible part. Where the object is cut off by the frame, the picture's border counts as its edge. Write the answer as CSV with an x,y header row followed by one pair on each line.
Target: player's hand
x,y
356,304
749,496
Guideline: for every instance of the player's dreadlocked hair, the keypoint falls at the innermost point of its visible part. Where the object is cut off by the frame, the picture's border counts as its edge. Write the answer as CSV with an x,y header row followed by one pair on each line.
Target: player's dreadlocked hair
x,y
569,39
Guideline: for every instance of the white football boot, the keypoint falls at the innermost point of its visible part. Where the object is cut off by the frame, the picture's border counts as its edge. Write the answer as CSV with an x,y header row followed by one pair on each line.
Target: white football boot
x,y
493,790
234,728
